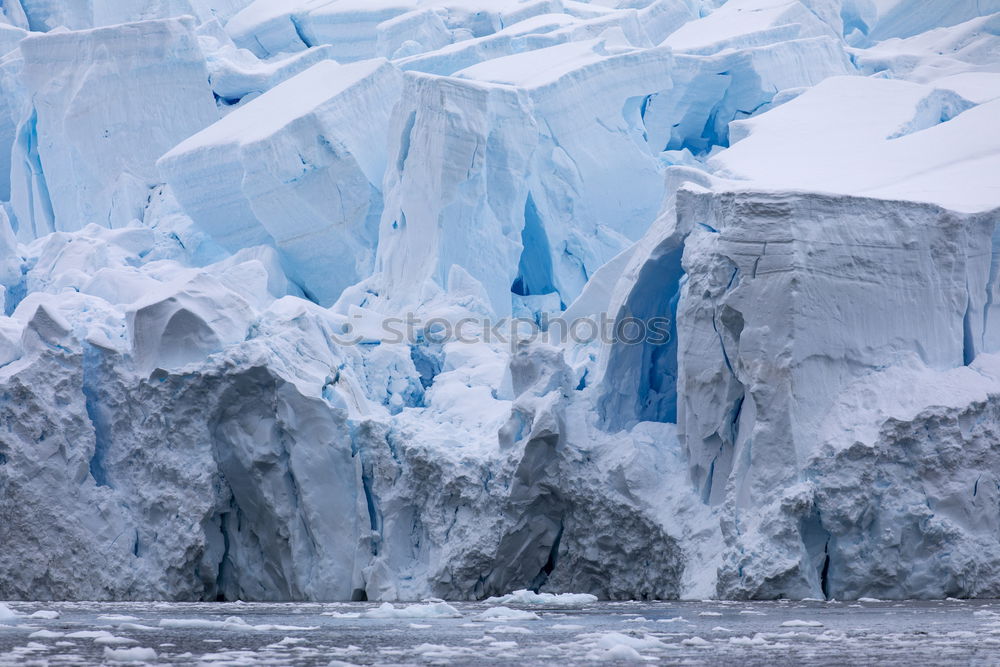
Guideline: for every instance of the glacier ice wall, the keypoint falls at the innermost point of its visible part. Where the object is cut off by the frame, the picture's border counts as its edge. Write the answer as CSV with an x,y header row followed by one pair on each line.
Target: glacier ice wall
x,y
233,231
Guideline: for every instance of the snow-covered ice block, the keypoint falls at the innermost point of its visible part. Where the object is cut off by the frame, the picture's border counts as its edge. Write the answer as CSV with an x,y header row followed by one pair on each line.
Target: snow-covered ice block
x,y
239,76
942,55
712,91
46,15
465,53
531,34
299,168
359,29
740,24
796,310
79,159
270,27
414,32
559,176
906,18
851,285
459,154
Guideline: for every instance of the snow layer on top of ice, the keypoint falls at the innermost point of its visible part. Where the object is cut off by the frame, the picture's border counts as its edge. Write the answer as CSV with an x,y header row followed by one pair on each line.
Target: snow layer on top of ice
x,y
964,58
906,18
916,143
299,168
365,29
746,23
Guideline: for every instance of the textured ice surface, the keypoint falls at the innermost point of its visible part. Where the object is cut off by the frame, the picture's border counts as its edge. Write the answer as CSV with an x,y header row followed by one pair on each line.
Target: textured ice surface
x,y
80,160
210,209
300,169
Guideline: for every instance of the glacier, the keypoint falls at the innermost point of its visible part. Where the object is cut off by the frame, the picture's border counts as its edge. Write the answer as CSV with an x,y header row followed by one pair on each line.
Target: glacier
x,y
287,286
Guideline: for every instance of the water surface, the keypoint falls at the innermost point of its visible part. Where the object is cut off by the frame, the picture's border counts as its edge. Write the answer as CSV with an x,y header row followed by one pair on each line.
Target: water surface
x,y
758,633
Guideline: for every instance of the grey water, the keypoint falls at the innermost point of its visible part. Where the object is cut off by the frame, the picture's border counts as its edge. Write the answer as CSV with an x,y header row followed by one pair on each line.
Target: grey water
x,y
748,633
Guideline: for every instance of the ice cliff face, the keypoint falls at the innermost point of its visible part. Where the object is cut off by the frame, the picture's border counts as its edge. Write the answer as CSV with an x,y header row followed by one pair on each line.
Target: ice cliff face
x,y
235,236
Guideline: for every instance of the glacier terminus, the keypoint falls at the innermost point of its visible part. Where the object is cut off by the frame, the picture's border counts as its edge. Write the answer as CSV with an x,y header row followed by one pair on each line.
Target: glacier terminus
x,y
389,300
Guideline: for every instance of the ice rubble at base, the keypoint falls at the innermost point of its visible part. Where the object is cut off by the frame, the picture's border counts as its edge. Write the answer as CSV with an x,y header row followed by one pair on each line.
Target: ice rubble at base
x,y
805,188
531,598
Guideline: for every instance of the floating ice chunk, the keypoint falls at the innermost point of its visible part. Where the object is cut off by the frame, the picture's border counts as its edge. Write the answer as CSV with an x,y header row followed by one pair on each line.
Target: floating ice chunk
x,y
299,168
113,641
88,634
429,610
7,614
618,653
530,598
137,654
234,623
507,614
81,160
509,630
696,641
797,623
609,640
47,614
45,634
